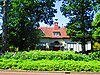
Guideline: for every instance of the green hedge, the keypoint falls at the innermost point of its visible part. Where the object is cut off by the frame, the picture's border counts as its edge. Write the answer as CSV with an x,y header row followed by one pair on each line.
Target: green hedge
x,y
50,65
51,61
95,55
50,55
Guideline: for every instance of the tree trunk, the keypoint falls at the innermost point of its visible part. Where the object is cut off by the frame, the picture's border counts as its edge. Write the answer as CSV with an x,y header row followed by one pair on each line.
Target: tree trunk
x,y
91,44
83,47
83,28
4,27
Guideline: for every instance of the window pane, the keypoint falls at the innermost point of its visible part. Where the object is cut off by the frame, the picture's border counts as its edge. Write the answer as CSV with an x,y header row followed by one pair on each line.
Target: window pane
x,y
56,33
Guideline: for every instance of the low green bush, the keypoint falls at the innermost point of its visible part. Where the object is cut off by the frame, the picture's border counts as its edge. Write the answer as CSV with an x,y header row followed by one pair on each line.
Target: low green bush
x,y
95,55
50,65
50,55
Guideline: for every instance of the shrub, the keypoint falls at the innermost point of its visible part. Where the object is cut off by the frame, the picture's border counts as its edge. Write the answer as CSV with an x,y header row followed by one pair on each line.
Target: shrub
x,y
51,55
51,65
95,55
96,46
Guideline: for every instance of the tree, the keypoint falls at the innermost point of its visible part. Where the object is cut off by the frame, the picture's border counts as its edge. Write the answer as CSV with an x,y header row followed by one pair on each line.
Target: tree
x,y
81,14
0,41
96,27
4,27
24,18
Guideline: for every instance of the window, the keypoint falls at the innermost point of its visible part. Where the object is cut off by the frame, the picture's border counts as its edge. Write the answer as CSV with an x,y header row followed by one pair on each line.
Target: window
x,y
56,33
56,43
42,44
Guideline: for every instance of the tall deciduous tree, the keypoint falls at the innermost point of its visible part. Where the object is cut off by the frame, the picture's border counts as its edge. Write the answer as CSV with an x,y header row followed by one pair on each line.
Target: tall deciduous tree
x,y
81,14
0,41
4,27
24,18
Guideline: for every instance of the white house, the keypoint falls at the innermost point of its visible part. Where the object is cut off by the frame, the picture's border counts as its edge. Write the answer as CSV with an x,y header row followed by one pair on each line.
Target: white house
x,y
56,38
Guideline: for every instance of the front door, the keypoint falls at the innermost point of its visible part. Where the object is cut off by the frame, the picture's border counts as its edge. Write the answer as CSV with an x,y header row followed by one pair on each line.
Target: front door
x,y
56,46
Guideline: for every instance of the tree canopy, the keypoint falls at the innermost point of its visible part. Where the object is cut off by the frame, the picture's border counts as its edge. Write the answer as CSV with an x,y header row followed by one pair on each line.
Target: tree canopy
x,y
23,17
96,27
81,14
0,41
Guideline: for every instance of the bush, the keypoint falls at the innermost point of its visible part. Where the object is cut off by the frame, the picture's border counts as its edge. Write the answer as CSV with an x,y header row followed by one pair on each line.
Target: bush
x,y
50,65
50,55
96,46
51,61
95,55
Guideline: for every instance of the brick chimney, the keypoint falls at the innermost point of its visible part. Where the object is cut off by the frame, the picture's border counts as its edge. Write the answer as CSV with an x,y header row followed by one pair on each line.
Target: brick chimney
x,y
56,24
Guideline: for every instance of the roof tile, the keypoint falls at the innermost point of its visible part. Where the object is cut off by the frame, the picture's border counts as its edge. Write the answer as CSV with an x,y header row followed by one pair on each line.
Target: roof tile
x,y
48,31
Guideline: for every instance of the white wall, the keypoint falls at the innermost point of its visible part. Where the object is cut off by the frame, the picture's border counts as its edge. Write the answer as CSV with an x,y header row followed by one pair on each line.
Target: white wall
x,y
53,40
67,43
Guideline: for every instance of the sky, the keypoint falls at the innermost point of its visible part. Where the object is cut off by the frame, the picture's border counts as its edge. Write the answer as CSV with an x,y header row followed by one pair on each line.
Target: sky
x,y
0,25
61,19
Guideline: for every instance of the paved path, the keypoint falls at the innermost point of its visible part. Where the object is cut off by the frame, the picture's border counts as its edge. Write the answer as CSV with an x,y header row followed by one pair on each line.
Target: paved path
x,y
29,73
82,74
43,73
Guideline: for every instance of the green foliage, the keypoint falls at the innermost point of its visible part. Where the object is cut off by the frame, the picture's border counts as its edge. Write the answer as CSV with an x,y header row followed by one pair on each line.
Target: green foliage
x,y
96,46
96,27
80,22
0,42
23,20
80,13
95,55
50,61
50,55
50,65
